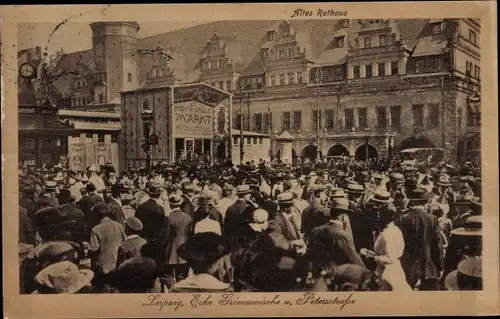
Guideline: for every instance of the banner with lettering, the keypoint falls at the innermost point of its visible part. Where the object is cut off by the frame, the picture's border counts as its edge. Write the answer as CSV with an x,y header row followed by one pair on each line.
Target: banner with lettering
x,y
76,156
193,119
102,153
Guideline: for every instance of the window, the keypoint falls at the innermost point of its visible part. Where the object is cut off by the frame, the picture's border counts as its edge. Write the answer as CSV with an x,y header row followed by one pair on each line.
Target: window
x,y
114,138
249,140
291,78
381,116
281,54
282,79
228,85
418,115
382,40
297,120
266,124
419,67
258,122
290,53
235,140
349,118
129,77
367,42
368,71
472,37
355,71
396,116
254,140
394,68
338,42
381,69
329,119
436,28
238,125
362,118
433,114
259,80
261,140
101,98
221,85
286,121
468,68
345,23
299,77
273,80
100,138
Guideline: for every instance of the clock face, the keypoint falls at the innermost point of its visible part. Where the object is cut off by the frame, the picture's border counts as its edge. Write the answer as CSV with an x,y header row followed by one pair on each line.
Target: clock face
x,y
99,49
27,70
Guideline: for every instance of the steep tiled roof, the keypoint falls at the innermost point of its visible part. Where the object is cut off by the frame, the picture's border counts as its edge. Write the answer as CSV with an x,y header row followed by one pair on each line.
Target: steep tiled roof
x,y
432,44
245,40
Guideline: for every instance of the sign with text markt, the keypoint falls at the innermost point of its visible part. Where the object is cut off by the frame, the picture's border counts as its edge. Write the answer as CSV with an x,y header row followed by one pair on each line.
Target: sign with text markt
x,y
193,120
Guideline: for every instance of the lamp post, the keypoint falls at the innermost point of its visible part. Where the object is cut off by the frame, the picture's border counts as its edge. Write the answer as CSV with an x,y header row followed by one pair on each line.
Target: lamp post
x,y
147,117
368,131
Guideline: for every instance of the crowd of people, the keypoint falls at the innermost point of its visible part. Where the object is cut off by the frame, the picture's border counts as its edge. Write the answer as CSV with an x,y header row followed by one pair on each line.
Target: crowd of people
x,y
267,226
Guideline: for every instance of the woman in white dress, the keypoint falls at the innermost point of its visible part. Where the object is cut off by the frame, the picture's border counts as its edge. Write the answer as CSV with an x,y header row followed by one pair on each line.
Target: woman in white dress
x,y
389,247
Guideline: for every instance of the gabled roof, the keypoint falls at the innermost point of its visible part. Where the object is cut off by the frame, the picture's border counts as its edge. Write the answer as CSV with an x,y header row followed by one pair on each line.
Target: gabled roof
x,y
432,44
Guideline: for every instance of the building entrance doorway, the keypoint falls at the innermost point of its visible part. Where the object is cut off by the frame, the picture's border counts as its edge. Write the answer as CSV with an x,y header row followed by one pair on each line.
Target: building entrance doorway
x,y
193,148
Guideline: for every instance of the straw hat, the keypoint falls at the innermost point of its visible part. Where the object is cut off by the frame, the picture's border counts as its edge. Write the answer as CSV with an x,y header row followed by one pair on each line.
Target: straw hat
x,y
285,198
243,190
63,278
382,197
473,227
467,276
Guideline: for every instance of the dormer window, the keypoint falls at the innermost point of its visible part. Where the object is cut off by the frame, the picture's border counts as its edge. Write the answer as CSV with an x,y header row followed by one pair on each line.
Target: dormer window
x,y
270,35
338,42
436,28
382,40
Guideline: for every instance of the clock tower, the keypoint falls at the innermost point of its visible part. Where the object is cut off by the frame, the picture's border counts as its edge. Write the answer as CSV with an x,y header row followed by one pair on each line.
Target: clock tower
x,y
114,46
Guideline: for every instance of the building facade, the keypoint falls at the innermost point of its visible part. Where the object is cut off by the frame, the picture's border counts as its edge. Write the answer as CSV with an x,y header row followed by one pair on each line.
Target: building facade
x,y
337,87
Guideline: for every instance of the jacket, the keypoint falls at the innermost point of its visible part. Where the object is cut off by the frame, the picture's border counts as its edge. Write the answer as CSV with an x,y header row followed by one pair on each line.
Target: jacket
x,y
179,228
130,248
153,218
105,241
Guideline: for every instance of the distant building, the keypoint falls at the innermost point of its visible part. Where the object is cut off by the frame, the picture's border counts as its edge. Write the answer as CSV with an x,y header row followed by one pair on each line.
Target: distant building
x,y
379,85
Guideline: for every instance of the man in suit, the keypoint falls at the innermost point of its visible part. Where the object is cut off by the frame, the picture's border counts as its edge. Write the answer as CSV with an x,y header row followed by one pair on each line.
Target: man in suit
x,y
237,216
316,214
132,245
422,257
286,224
187,196
330,243
105,241
112,198
152,215
86,204
179,227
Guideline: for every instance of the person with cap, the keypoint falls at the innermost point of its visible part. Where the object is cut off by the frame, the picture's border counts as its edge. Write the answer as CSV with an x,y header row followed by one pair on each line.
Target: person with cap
x,y
48,194
152,215
202,253
422,258
238,215
207,216
112,198
63,278
132,245
95,179
180,227
136,275
70,223
329,243
27,200
316,213
395,182
105,240
286,223
467,276
86,204
128,201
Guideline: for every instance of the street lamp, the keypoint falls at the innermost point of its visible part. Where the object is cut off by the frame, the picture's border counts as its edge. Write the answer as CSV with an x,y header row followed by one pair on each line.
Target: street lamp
x,y
147,117
368,131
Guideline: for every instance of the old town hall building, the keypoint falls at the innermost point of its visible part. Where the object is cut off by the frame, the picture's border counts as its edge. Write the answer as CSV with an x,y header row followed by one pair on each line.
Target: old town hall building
x,y
343,87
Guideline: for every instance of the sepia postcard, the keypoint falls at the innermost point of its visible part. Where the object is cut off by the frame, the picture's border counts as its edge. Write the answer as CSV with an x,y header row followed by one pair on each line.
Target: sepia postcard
x,y
248,160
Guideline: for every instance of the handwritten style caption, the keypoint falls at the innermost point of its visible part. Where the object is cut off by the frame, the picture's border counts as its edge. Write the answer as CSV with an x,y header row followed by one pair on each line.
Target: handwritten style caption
x,y
166,301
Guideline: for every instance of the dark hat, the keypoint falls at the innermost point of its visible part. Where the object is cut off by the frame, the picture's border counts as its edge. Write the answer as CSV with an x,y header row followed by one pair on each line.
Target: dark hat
x,y
63,278
204,247
419,195
467,276
90,187
65,196
154,189
102,208
136,274
134,223
187,187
